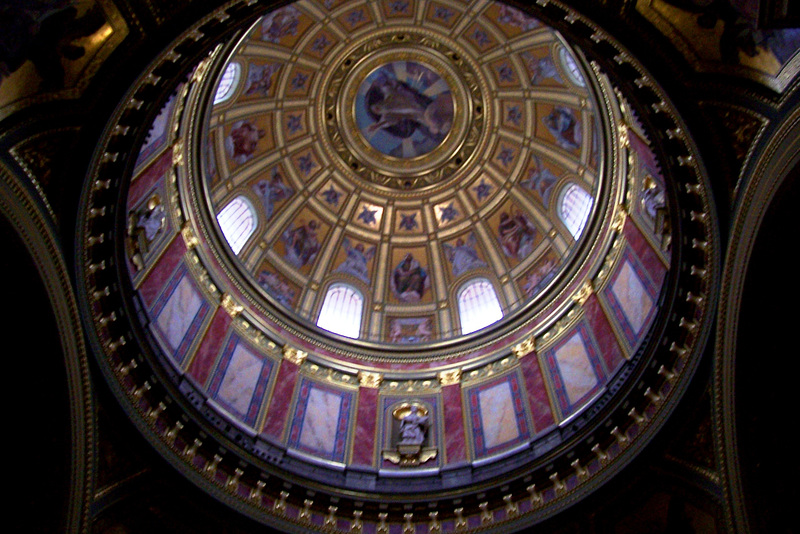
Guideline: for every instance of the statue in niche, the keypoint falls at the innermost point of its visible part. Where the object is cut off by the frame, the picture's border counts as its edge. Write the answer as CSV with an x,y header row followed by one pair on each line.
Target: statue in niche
x,y
144,226
410,422
413,426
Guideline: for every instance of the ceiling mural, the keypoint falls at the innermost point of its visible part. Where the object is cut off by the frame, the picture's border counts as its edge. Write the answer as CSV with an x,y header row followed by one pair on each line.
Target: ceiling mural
x,y
417,173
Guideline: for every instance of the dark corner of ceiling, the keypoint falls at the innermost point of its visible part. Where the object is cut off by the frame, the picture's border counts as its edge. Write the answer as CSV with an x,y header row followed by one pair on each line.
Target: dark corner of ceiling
x,y
767,368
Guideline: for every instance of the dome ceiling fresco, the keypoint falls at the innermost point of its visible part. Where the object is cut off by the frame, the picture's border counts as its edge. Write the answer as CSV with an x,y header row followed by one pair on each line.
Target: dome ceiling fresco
x,y
399,149
399,263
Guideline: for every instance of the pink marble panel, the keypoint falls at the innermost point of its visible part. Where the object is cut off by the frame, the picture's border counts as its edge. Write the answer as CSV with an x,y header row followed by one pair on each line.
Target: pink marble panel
x,y
210,347
454,438
603,333
162,271
281,399
366,417
146,179
645,252
541,411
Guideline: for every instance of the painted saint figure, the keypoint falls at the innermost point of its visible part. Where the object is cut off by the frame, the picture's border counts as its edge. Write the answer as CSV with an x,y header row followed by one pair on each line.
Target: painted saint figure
x,y
409,280
301,243
356,261
241,143
259,78
516,234
279,24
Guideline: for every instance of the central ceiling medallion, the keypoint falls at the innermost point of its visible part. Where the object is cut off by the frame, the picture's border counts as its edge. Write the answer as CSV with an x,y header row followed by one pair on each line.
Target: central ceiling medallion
x,y
404,111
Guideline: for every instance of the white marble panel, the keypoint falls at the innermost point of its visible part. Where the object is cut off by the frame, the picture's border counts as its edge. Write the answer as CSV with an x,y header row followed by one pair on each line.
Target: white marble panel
x,y
575,368
632,296
498,417
179,311
321,420
240,380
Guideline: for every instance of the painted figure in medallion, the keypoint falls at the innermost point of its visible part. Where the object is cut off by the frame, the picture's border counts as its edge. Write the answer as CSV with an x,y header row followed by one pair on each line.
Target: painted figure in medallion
x,y
540,179
404,109
541,68
538,277
409,280
259,78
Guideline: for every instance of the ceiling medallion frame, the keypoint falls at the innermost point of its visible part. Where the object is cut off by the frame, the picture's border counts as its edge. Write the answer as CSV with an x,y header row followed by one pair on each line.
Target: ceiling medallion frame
x,y
262,482
429,171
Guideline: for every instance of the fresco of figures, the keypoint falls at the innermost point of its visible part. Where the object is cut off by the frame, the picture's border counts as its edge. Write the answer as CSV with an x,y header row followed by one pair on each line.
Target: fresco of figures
x,y
404,109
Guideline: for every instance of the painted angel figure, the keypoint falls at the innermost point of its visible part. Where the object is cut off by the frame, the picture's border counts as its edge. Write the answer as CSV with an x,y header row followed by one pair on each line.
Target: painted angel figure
x,y
356,261
564,127
272,191
541,180
463,256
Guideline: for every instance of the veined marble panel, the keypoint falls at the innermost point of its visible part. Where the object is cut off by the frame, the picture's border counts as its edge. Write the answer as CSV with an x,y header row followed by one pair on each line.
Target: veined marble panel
x,y
575,368
179,312
498,417
240,379
321,420
633,299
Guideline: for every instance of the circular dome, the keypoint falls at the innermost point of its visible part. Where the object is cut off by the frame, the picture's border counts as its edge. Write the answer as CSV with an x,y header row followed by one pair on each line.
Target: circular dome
x,y
407,265
431,163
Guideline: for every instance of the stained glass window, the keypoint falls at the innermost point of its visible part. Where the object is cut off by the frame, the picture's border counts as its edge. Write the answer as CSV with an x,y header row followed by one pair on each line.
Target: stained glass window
x,y
228,82
341,310
478,305
237,221
574,208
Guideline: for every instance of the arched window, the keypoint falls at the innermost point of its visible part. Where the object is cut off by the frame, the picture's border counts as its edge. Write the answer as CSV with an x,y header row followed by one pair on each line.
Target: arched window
x,y
228,82
341,310
237,221
571,67
478,305
574,207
